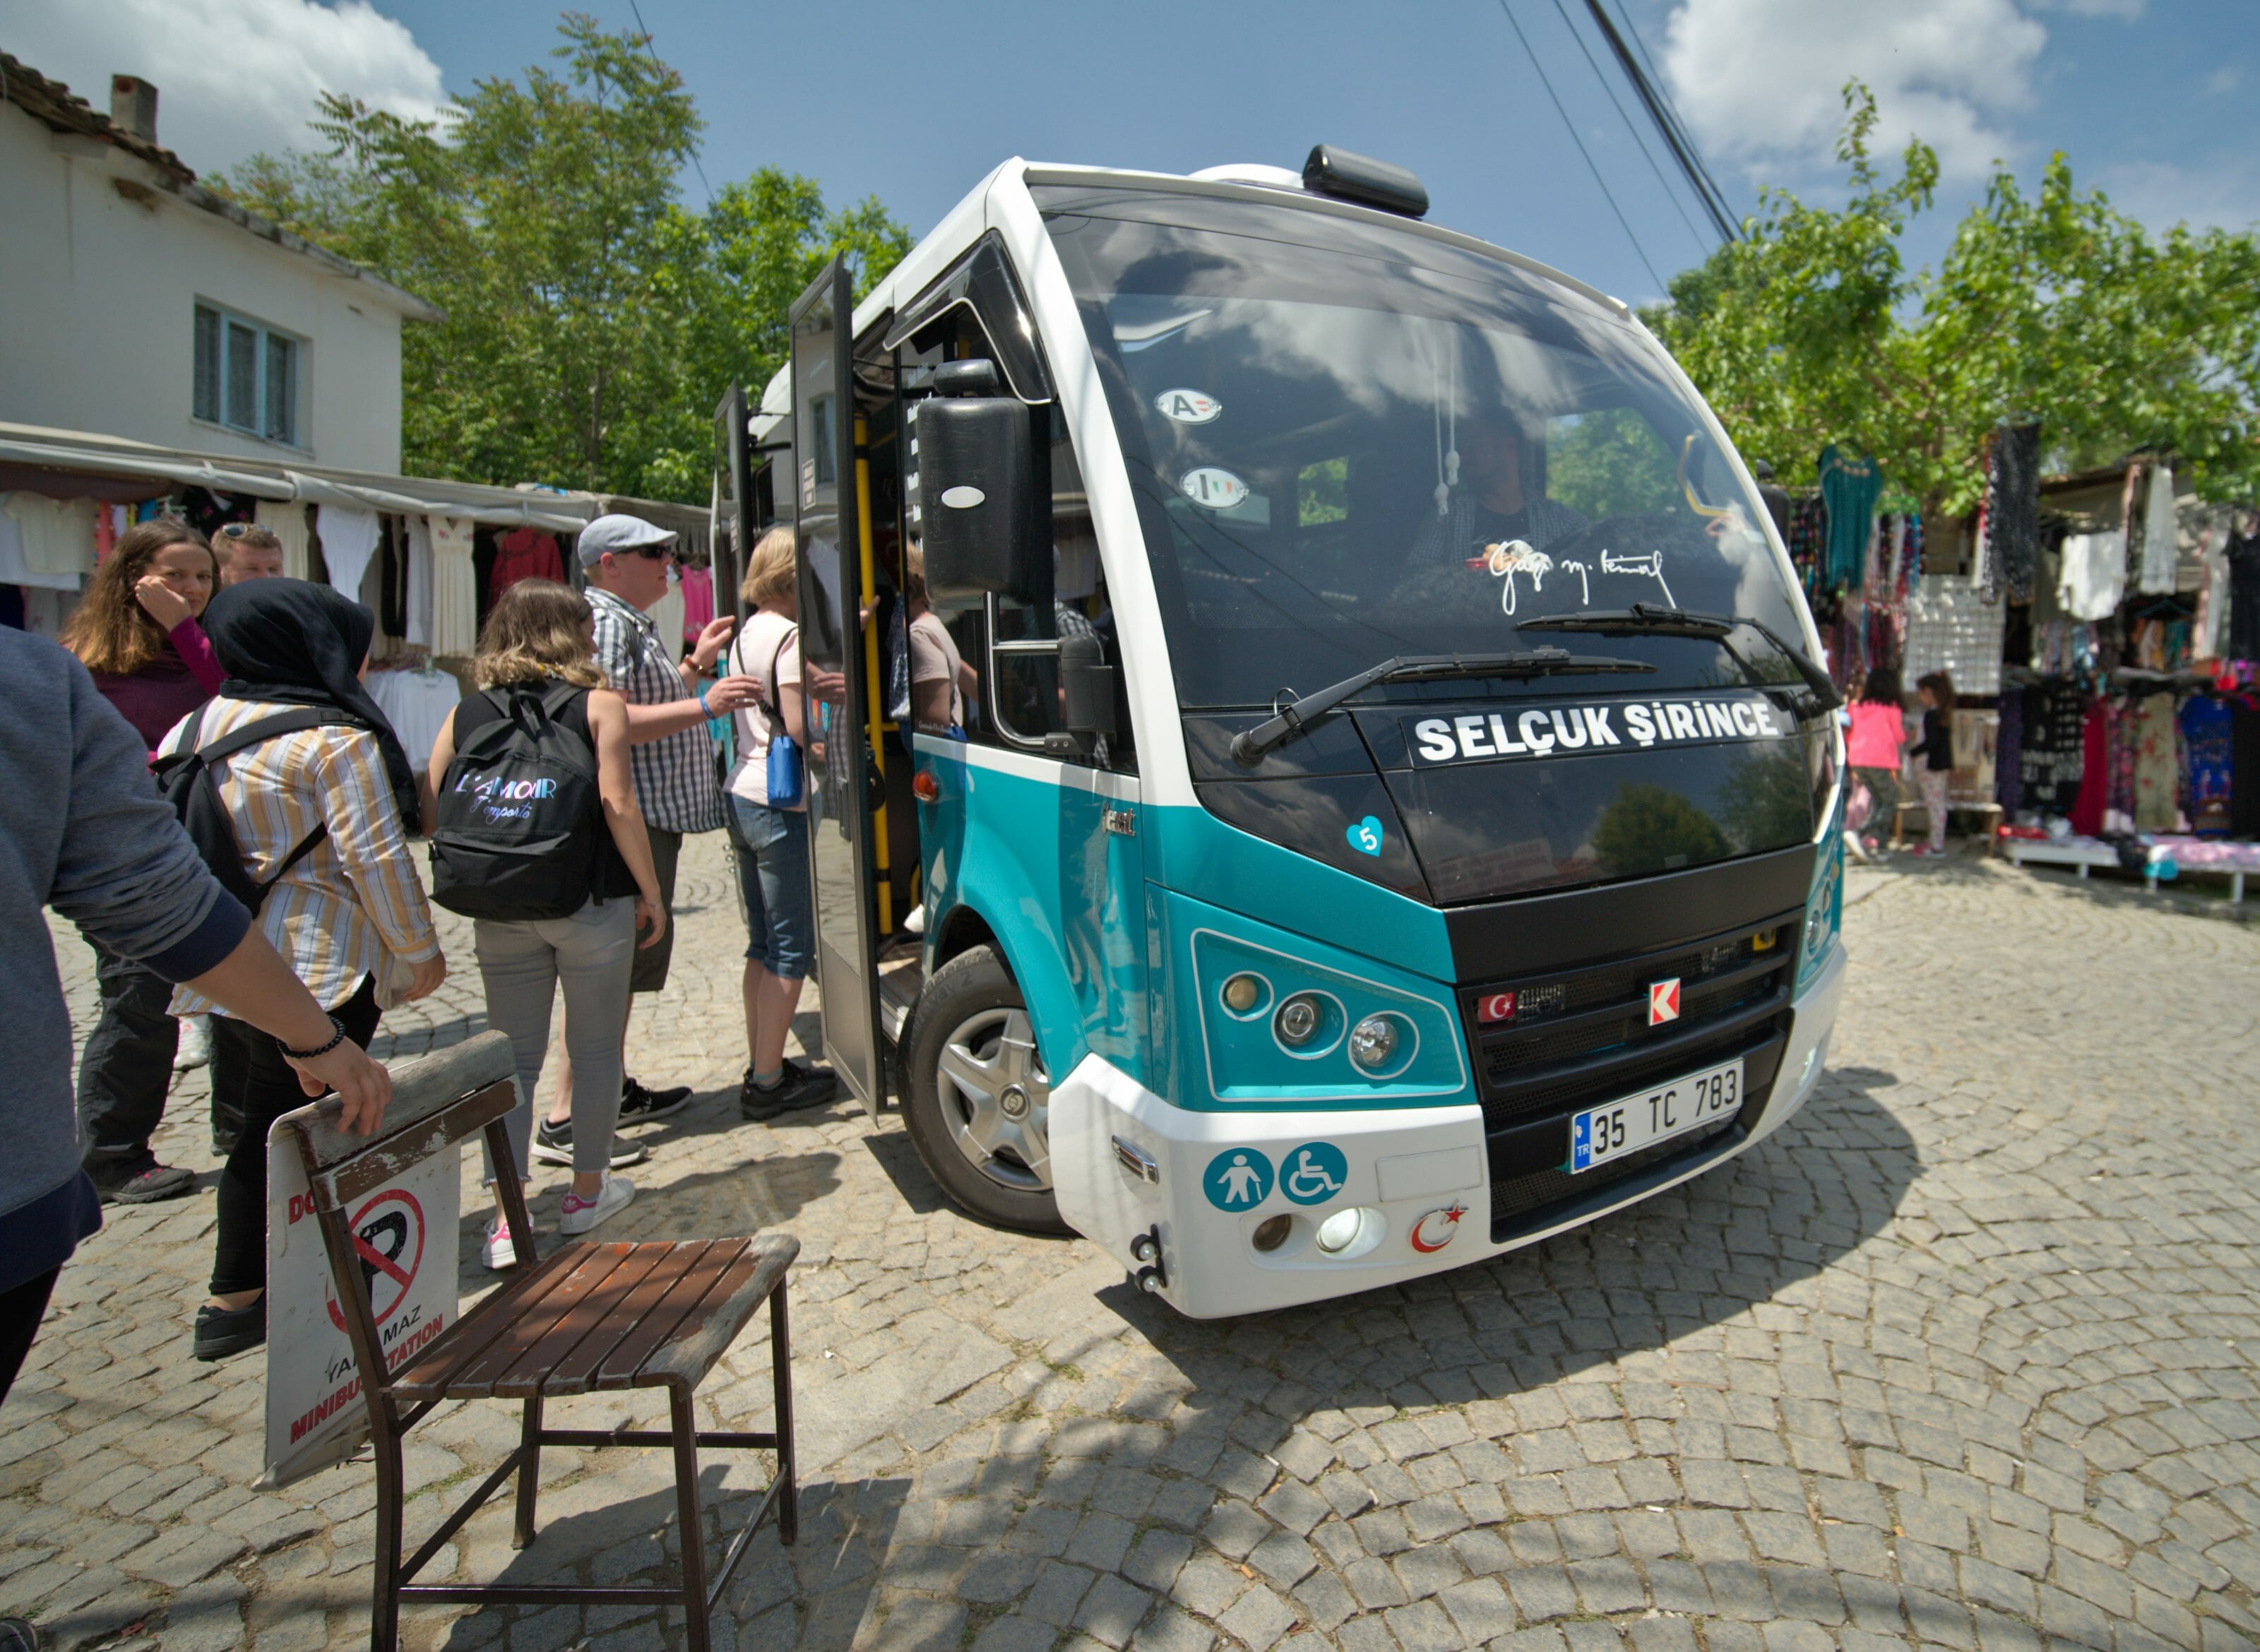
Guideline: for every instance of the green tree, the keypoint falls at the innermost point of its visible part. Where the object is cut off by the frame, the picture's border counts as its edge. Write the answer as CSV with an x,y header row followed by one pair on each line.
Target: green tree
x,y
1647,828
592,320
1814,329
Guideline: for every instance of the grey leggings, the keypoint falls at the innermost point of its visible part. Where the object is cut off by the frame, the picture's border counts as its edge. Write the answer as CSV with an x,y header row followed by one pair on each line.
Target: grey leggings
x,y
522,964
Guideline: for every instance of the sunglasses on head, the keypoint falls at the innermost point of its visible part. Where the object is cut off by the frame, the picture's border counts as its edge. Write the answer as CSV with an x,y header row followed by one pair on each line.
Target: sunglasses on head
x,y
233,530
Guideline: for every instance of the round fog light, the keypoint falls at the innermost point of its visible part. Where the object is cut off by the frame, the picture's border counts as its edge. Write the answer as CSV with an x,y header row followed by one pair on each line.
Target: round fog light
x,y
1298,1018
1241,992
1372,1042
1351,1232
1271,1232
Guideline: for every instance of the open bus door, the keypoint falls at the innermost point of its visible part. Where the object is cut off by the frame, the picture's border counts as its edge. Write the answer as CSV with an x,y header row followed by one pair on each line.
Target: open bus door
x,y
834,579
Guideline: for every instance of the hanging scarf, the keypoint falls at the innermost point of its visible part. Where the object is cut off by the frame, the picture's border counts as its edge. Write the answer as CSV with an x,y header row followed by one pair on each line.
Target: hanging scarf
x,y
291,641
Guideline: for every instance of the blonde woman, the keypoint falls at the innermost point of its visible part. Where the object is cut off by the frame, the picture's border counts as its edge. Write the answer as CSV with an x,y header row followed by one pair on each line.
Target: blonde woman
x,y
769,837
537,637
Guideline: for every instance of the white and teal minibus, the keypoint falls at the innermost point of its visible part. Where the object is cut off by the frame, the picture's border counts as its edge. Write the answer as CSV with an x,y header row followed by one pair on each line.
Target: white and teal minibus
x,y
1395,817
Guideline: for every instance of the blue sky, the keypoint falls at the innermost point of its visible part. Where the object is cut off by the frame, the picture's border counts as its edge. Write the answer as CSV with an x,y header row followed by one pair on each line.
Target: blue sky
x,y
2154,99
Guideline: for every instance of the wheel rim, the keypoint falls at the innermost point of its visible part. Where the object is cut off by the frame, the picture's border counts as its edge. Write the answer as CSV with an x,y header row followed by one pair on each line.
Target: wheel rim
x,y
996,1099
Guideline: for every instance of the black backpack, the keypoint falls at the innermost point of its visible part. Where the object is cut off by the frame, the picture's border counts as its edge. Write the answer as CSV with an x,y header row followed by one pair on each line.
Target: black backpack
x,y
519,816
184,780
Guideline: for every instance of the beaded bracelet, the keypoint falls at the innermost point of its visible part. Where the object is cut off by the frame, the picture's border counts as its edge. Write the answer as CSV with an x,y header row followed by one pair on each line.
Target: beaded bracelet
x,y
336,1037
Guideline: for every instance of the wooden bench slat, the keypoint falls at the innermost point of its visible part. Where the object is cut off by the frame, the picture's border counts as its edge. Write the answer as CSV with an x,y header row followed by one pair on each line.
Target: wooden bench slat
x,y
427,1376
706,1335
573,1373
621,1368
592,1325
386,1156
592,1264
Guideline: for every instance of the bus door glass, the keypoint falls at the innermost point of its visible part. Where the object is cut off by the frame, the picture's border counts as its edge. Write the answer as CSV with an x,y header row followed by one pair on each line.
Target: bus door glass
x,y
833,673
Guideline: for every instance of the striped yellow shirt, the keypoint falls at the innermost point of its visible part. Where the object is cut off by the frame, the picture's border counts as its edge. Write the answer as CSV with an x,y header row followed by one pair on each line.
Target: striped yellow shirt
x,y
354,903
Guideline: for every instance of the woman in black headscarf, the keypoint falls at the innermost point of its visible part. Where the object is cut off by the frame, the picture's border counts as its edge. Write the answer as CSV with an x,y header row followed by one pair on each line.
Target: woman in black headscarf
x,y
321,817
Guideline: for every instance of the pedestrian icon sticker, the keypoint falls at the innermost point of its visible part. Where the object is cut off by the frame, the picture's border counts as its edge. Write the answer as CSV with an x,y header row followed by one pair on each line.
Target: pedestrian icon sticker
x,y
1239,1179
1314,1173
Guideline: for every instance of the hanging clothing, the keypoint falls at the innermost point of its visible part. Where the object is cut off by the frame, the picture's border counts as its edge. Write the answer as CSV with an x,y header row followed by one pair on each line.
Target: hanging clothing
x,y
2150,736
57,537
698,602
667,614
420,581
2244,766
525,553
2052,750
2210,634
14,569
208,512
2159,547
393,579
454,586
1849,486
2243,559
2094,577
286,520
349,537
418,703
2012,507
2095,772
2206,726
2009,753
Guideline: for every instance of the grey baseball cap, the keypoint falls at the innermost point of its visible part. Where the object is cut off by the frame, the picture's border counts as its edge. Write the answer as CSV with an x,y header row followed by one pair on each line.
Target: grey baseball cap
x,y
618,532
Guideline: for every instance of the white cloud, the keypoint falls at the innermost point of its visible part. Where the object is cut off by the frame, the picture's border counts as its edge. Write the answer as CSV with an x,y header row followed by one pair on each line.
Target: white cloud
x,y
233,77
2223,195
1760,80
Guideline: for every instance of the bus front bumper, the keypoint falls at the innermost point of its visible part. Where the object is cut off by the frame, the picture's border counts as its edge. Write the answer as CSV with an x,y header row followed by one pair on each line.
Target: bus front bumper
x,y
1203,1187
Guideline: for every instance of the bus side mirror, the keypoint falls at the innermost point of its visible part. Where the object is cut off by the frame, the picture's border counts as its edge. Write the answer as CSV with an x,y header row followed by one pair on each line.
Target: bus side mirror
x,y
976,488
1086,688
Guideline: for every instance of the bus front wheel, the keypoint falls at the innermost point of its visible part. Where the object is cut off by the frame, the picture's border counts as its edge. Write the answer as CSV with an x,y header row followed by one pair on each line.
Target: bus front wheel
x,y
980,1096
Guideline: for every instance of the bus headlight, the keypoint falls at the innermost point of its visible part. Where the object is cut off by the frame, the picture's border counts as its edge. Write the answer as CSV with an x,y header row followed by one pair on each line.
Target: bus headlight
x,y
1298,1019
1824,909
1351,1232
1372,1042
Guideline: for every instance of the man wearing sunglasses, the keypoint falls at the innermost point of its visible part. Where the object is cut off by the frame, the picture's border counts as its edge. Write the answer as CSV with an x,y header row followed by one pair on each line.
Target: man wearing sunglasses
x,y
624,560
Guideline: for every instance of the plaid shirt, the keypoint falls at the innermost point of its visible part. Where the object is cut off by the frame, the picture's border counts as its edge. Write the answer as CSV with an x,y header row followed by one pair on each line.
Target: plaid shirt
x,y
675,781
354,903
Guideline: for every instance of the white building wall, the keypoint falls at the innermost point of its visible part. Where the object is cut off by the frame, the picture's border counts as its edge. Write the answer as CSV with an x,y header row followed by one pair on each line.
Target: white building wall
x,y
98,298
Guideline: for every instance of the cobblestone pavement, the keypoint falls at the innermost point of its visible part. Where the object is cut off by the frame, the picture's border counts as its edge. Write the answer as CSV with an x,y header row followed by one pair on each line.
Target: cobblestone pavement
x,y
1961,1358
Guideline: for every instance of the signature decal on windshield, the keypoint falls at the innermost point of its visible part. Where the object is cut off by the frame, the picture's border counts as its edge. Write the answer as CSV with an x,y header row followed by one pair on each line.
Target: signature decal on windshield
x,y
1650,567
1538,730
1516,556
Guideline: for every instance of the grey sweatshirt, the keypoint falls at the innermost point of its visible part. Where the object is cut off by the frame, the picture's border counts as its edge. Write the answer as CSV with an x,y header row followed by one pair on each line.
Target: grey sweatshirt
x,y
81,830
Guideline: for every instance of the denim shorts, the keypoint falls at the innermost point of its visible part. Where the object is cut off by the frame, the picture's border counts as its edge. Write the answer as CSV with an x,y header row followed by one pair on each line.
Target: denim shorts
x,y
771,848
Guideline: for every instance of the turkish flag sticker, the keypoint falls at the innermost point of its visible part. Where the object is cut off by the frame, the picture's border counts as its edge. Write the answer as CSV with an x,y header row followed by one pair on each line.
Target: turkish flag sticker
x,y
1662,1001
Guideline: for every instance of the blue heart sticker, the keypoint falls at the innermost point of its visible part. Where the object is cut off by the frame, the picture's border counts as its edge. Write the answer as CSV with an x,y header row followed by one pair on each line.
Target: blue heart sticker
x,y
1365,836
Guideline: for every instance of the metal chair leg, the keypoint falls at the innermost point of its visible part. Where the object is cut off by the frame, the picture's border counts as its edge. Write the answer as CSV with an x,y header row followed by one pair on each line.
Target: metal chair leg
x,y
685,1419
529,1472
384,1586
781,1377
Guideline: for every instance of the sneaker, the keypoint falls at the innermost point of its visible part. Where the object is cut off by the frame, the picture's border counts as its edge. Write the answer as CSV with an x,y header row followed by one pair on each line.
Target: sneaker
x,y
20,1635
580,1215
221,1332
501,1249
142,1181
797,1087
638,1105
553,1144
195,1043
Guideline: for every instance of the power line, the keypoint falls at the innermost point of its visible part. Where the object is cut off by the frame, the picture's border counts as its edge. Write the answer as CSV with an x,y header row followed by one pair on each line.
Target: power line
x,y
1670,194
652,52
1572,128
1682,146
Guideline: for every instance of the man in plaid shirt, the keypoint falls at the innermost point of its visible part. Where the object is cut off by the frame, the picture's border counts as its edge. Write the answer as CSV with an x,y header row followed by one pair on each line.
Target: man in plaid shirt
x,y
624,560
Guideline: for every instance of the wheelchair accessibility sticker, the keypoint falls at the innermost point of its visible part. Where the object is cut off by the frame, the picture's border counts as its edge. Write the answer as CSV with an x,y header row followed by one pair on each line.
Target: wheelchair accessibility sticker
x,y
1238,1179
1314,1173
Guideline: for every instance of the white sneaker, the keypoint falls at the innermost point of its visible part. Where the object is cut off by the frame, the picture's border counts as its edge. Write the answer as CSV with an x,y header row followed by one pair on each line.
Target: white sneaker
x,y
195,1043
501,1248
580,1215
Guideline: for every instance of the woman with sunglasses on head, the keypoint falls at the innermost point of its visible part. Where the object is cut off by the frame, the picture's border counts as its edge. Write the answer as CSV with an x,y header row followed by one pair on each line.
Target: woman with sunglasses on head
x,y
137,632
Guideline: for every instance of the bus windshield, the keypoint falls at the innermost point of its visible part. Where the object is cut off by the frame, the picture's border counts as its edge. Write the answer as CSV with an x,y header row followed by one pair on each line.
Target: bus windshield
x,y
1349,444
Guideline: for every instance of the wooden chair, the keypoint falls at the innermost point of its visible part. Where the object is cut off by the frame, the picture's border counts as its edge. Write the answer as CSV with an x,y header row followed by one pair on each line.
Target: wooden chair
x,y
590,1318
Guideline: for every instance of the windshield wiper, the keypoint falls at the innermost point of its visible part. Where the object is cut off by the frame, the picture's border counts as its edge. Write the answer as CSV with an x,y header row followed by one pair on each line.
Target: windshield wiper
x,y
1655,619
1251,746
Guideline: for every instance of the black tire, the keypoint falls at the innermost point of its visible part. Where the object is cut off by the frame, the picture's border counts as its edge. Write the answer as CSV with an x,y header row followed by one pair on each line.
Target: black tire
x,y
977,1096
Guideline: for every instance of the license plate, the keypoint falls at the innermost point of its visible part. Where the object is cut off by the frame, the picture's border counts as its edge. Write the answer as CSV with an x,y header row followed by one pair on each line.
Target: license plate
x,y
1603,1134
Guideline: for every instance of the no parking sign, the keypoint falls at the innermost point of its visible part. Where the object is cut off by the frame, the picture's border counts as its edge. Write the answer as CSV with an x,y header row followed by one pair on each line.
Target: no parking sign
x,y
404,1238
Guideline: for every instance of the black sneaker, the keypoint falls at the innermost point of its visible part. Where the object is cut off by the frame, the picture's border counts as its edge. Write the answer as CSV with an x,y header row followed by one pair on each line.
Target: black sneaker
x,y
798,1086
553,1144
142,1181
221,1332
638,1105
